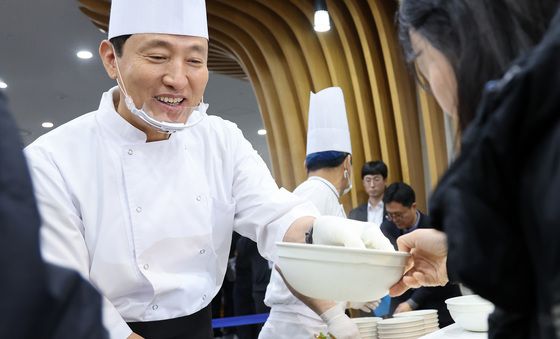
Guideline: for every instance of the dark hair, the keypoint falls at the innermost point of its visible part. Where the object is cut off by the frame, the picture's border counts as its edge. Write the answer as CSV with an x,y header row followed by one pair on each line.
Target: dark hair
x,y
375,167
479,38
118,43
401,193
327,159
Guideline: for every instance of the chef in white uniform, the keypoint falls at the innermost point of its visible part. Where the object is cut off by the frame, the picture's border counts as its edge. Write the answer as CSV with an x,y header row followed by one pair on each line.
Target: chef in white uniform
x,y
329,168
141,195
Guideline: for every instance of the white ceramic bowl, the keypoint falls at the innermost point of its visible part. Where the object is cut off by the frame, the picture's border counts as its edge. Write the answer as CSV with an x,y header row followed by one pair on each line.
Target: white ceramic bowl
x,y
470,312
340,273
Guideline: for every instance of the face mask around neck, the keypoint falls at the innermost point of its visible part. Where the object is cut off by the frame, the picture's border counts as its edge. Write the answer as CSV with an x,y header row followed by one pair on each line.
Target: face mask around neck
x,y
193,114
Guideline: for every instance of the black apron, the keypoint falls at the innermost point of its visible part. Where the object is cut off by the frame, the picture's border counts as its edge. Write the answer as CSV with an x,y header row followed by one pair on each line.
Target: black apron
x,y
194,326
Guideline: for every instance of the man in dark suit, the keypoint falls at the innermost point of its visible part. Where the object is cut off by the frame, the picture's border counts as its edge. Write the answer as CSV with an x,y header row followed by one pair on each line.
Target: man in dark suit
x,y
374,179
403,217
252,278
39,300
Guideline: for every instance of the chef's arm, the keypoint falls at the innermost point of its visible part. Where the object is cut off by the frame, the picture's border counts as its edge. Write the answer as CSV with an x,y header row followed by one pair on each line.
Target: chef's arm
x,y
296,232
338,323
318,306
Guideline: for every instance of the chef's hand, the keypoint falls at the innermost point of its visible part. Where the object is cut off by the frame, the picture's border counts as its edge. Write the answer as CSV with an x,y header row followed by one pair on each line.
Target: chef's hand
x,y
135,336
427,264
374,238
339,324
328,230
403,307
367,307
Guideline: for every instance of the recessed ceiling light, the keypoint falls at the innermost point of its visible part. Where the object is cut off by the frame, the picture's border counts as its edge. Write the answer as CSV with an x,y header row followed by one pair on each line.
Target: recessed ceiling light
x,y
261,132
84,54
47,124
3,84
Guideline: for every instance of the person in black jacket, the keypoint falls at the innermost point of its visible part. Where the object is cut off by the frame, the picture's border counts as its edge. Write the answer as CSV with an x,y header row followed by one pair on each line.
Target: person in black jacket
x,y
498,202
39,300
402,218
374,179
252,278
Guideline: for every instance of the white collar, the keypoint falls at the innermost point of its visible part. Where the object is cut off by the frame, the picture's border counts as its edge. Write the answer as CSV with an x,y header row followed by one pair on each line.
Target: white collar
x,y
326,182
378,206
110,120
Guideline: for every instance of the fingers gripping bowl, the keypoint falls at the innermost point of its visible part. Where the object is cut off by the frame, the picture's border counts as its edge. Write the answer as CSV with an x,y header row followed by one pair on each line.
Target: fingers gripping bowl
x,y
340,273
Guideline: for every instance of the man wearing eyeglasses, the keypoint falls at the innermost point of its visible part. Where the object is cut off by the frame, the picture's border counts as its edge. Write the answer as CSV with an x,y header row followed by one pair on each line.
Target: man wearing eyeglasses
x,y
403,217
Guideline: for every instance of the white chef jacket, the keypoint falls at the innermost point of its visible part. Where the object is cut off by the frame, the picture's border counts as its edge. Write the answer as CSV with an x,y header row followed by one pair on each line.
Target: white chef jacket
x,y
289,317
150,224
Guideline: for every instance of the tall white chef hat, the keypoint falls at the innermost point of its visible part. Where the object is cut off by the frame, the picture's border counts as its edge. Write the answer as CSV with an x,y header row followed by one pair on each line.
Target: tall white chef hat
x,y
180,17
328,126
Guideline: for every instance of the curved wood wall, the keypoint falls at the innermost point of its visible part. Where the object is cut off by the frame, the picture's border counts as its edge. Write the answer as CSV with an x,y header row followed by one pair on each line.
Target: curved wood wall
x,y
274,45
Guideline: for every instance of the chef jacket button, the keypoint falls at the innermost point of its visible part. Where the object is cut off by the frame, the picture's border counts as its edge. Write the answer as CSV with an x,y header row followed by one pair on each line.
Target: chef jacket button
x,y
146,266
154,307
198,198
130,151
202,251
138,209
204,297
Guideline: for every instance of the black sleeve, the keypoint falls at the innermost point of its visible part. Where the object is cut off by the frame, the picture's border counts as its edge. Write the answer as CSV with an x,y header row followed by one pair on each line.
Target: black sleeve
x,y
39,300
76,310
23,273
423,295
391,232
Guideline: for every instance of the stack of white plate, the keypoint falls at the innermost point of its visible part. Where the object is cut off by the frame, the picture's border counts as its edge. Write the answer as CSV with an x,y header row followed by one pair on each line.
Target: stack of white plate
x,y
367,326
401,328
431,321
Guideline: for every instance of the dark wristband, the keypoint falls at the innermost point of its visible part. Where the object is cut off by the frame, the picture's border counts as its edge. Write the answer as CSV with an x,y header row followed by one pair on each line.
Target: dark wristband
x,y
309,236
